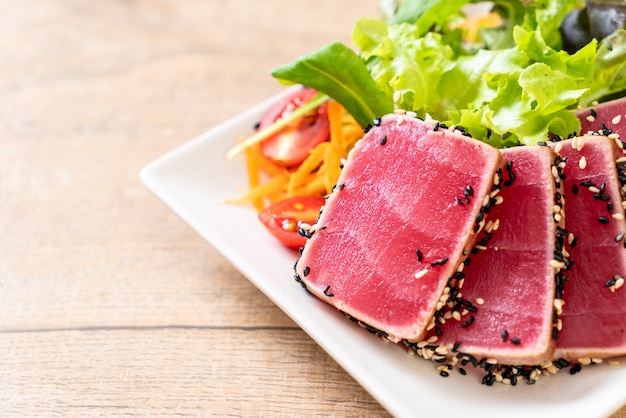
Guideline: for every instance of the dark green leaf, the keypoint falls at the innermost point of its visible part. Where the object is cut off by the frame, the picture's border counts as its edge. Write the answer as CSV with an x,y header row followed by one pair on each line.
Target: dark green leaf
x,y
339,72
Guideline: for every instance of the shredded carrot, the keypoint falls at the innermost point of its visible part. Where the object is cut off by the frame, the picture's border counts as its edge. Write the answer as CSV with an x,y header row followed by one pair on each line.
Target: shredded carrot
x,y
316,176
473,24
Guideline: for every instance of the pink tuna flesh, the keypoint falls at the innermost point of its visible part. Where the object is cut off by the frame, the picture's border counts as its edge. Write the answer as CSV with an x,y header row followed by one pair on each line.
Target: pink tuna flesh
x,y
398,223
610,115
512,279
594,316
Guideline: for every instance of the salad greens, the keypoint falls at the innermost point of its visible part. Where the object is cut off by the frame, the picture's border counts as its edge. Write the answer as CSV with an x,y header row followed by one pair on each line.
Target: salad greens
x,y
511,84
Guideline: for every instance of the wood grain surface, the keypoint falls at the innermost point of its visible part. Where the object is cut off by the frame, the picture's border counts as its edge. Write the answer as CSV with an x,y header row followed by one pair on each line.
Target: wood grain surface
x,y
109,303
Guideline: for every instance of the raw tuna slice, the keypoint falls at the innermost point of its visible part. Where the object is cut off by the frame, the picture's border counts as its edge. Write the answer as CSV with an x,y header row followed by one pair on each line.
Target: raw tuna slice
x,y
511,282
405,210
606,116
594,314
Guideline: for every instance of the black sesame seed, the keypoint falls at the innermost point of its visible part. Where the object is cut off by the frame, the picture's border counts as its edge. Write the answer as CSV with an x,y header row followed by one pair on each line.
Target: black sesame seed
x,y
468,322
575,369
593,113
469,191
603,220
383,140
456,346
327,292
609,207
574,189
306,271
440,262
437,125
444,373
458,200
619,237
376,122
610,282
555,333
462,371
420,256
505,335
516,341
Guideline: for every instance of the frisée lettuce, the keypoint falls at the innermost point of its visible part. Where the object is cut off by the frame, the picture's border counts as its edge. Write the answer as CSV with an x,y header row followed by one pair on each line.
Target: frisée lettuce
x,y
510,85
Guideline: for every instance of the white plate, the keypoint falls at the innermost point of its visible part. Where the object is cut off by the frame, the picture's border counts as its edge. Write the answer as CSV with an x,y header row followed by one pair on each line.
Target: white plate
x,y
195,180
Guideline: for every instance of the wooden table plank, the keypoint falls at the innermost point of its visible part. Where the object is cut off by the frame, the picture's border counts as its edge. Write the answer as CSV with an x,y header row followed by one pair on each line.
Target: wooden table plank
x,y
109,303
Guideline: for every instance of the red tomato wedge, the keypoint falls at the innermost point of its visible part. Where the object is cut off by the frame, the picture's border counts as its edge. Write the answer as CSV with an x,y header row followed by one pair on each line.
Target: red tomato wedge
x,y
292,144
283,218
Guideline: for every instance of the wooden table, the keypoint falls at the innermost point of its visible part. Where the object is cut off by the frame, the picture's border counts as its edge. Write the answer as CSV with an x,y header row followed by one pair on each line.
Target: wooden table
x,y
109,303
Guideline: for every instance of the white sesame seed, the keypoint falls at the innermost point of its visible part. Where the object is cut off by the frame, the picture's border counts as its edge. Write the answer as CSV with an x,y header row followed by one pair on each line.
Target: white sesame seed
x,y
574,142
481,247
456,315
619,143
617,119
596,360
614,135
559,324
624,205
400,120
585,361
399,111
613,363
552,369
480,301
557,265
397,96
441,350
491,361
621,160
556,209
558,217
582,163
580,144
591,118
558,305
619,283
411,114
558,147
496,224
618,216
594,189
421,273
499,200
432,339
555,172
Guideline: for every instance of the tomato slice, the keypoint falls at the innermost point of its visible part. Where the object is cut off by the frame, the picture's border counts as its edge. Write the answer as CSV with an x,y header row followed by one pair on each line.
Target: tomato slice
x,y
283,218
292,144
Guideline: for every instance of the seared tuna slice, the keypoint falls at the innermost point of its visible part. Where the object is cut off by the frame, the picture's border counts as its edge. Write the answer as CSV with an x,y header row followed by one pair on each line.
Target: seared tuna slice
x,y
606,117
510,284
594,314
406,209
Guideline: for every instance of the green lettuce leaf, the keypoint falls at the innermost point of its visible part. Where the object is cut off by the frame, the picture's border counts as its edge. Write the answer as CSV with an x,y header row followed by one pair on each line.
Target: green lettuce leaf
x,y
610,66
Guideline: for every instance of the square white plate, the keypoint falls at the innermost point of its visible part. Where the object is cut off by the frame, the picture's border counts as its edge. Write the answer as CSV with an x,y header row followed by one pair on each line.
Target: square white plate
x,y
195,180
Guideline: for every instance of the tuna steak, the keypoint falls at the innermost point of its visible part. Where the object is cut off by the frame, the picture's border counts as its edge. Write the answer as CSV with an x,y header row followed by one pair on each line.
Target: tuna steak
x,y
594,315
513,276
406,209
605,117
